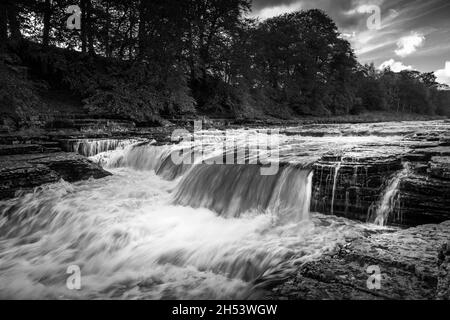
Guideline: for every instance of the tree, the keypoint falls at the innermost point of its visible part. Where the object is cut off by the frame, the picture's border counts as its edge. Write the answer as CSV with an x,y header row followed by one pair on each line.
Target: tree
x,y
47,22
3,24
302,59
13,21
209,23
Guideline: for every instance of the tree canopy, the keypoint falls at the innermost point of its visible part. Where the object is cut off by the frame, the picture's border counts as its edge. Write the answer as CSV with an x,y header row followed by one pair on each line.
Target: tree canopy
x,y
143,59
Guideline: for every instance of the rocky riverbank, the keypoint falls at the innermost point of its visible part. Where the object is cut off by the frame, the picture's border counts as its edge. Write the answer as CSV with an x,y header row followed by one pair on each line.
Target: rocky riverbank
x,y
413,264
407,180
31,159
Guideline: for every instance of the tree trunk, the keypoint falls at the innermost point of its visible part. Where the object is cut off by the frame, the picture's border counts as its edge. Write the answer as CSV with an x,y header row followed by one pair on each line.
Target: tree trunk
x,y
108,50
47,18
142,29
83,26
3,25
14,24
90,29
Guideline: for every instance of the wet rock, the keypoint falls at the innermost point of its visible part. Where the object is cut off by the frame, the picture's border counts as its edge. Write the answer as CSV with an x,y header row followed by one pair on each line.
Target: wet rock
x,y
25,172
444,272
433,152
423,199
407,262
440,167
349,187
6,150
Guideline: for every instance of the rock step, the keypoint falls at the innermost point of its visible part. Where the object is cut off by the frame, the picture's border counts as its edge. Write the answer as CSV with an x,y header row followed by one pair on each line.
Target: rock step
x,y
27,171
439,167
6,150
411,262
359,183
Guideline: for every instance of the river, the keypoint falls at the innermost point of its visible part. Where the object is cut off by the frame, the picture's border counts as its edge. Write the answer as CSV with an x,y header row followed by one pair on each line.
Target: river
x,y
157,230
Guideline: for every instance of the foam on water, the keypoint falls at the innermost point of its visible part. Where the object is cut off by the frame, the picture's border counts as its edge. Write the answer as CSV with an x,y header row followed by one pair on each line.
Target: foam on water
x,y
130,241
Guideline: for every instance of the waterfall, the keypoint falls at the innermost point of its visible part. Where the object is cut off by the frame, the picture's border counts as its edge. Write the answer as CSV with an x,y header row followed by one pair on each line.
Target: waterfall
x,y
231,190
146,157
335,180
381,211
91,147
160,230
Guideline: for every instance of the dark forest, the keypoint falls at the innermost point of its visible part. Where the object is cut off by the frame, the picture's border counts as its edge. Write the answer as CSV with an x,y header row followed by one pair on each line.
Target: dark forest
x,y
149,60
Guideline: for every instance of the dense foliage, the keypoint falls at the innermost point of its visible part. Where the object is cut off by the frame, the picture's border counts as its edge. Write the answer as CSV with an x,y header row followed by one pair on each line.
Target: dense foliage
x,y
143,59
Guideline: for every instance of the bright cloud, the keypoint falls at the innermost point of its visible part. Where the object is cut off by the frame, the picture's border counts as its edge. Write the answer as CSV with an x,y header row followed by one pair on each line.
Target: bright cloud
x,y
443,75
409,44
270,12
396,66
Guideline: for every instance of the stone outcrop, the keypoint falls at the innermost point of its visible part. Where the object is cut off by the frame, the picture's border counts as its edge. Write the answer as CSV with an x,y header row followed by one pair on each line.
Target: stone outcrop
x,y
440,167
409,262
348,187
353,187
444,273
423,198
27,171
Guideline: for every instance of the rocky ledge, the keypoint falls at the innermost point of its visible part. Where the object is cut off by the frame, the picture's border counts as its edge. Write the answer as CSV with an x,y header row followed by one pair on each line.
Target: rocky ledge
x,y
27,171
410,178
348,187
412,264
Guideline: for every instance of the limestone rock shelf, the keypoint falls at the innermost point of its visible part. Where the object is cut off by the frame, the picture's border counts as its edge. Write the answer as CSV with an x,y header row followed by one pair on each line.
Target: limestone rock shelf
x,y
349,187
411,263
27,171
353,183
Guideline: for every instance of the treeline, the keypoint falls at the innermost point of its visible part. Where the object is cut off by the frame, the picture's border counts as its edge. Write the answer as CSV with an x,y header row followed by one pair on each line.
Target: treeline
x,y
145,59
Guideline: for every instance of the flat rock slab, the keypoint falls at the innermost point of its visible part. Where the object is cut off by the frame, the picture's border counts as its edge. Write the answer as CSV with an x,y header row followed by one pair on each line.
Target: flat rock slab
x,y
28,171
6,150
411,263
440,167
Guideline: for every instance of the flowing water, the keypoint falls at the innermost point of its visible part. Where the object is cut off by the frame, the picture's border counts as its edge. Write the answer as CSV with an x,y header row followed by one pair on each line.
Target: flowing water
x,y
382,211
159,230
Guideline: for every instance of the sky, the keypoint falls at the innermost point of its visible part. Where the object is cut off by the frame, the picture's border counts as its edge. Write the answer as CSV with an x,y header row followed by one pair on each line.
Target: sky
x,y
401,34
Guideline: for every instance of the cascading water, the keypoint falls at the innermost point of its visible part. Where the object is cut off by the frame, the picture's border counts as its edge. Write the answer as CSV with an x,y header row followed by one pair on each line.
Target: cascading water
x,y
157,230
92,147
382,211
335,181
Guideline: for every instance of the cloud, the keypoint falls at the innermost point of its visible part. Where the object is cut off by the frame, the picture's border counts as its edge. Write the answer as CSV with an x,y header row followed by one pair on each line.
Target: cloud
x,y
443,75
270,12
409,44
396,66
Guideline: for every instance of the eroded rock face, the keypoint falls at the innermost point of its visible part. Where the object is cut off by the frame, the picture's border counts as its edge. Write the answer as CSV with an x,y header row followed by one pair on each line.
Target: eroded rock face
x,y
407,261
25,172
423,199
444,273
355,186
348,187
440,167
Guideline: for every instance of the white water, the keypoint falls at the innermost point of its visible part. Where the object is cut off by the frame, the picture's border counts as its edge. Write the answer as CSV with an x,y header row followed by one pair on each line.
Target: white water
x,y
335,181
155,231
90,148
131,242
388,200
